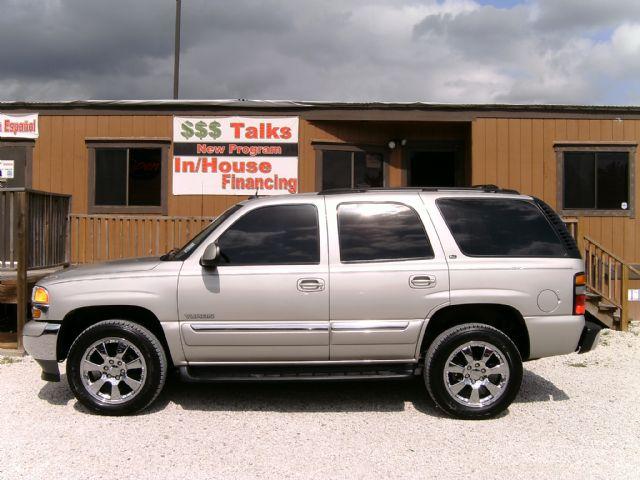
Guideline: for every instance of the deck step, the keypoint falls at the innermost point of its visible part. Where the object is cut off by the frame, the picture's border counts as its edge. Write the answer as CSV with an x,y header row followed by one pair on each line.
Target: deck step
x,y
593,297
607,317
605,306
250,373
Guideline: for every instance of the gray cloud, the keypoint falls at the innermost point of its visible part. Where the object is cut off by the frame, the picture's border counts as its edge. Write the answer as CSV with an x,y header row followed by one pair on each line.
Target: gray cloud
x,y
453,50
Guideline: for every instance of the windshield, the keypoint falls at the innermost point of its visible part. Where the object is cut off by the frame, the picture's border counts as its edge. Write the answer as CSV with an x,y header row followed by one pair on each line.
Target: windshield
x,y
185,251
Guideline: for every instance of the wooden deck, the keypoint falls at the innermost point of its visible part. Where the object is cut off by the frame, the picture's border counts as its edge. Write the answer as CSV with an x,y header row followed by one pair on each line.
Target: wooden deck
x,y
8,282
9,294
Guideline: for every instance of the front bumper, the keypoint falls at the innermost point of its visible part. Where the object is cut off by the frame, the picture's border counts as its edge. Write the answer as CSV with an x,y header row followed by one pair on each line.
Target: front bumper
x,y
40,340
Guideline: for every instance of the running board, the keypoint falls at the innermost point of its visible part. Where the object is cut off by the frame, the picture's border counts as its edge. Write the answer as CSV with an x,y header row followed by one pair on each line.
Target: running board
x,y
248,373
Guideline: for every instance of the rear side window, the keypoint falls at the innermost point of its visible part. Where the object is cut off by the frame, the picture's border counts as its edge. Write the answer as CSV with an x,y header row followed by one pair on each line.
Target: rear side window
x,y
277,235
495,227
378,232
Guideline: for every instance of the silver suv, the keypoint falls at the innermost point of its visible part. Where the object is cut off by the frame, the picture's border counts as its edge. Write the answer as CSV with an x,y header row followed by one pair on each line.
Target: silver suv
x,y
457,285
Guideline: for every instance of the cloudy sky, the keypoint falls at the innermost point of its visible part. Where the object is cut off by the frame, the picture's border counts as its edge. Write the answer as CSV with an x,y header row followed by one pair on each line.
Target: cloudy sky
x,y
552,51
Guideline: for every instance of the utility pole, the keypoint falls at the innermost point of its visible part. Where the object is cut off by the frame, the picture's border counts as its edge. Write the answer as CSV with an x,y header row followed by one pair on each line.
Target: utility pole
x,y
176,54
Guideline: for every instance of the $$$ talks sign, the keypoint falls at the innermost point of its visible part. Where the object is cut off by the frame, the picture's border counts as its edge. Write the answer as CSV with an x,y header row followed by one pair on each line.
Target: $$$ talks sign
x,y
235,155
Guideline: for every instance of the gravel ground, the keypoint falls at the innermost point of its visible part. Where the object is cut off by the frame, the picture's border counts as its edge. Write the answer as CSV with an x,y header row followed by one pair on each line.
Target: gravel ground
x,y
576,417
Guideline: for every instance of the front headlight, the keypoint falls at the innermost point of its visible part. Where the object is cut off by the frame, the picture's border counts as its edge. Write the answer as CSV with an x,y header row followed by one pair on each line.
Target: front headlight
x,y
40,296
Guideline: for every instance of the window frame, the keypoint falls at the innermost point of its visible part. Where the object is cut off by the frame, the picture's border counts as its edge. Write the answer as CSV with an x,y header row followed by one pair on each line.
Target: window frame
x,y
321,147
625,147
388,260
267,265
162,145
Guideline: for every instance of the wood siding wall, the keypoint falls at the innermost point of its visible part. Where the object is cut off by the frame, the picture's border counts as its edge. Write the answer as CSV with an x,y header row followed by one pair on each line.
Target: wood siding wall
x,y
519,154
515,153
60,157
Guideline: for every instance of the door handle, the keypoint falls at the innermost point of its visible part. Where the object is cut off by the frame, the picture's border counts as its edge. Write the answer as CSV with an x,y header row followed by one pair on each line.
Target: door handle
x,y
422,281
310,284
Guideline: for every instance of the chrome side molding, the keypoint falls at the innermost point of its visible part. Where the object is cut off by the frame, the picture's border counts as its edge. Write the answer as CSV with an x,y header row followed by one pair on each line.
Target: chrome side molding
x,y
359,325
259,327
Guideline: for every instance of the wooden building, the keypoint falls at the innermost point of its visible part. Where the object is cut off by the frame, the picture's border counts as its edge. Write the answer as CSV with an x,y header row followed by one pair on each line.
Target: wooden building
x,y
579,159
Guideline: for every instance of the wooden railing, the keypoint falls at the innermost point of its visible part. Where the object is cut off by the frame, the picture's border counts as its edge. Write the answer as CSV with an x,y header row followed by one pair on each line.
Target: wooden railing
x,y
33,236
96,238
572,225
609,276
33,229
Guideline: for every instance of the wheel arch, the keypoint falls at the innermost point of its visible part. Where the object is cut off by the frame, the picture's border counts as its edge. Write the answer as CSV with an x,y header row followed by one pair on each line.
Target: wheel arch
x,y
505,318
78,320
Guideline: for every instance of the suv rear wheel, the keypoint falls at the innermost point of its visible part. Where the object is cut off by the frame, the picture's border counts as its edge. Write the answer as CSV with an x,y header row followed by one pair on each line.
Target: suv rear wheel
x,y
116,367
473,371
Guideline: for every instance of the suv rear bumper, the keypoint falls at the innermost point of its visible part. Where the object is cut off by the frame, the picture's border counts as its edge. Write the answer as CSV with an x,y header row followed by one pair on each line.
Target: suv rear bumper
x,y
590,336
40,340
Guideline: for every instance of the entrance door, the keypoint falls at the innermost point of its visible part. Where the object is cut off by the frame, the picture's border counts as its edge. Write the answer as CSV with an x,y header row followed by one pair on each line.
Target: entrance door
x,y
14,163
268,298
441,166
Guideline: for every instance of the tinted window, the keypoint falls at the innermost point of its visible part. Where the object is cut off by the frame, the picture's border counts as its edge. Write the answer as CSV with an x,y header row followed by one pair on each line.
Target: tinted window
x,y
128,176
192,244
579,180
500,227
352,169
278,235
596,180
111,176
336,169
381,231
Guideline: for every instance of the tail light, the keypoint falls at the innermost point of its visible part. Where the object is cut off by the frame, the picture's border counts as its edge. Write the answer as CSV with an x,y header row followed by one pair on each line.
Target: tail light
x,y
579,293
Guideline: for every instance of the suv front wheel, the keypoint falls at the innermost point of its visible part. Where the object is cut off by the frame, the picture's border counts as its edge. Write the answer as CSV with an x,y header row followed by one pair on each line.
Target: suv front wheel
x,y
473,371
116,367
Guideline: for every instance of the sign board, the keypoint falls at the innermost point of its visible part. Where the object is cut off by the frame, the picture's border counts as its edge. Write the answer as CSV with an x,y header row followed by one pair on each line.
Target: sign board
x,y
20,125
235,155
7,169
633,295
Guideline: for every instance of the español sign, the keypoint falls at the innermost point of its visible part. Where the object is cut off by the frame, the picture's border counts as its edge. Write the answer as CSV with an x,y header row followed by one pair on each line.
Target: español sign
x,y
235,155
20,125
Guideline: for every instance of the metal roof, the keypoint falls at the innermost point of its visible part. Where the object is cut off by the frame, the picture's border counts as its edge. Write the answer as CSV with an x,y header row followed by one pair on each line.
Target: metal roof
x,y
293,104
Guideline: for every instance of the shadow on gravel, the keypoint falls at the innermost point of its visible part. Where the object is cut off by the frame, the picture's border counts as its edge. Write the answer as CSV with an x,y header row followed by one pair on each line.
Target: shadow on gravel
x,y
538,389
56,393
369,396
363,396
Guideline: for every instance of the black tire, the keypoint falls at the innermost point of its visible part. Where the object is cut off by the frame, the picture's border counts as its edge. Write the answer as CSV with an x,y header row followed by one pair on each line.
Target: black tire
x,y
445,345
147,344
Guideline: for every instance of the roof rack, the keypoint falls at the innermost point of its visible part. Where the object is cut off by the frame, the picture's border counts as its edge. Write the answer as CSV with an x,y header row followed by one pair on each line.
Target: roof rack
x,y
475,188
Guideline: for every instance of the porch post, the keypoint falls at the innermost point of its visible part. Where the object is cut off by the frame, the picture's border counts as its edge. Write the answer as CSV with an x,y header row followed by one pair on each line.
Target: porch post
x,y
22,288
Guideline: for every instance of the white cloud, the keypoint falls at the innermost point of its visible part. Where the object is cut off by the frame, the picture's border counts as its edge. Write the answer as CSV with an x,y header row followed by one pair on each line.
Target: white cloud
x,y
574,51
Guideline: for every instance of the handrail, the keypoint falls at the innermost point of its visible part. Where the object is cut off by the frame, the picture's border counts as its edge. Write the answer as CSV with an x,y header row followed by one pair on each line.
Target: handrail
x,y
608,276
102,237
140,217
32,190
596,244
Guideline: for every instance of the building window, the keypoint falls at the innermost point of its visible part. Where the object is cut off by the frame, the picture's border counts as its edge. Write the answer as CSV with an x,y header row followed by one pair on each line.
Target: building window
x,y
596,180
127,178
341,166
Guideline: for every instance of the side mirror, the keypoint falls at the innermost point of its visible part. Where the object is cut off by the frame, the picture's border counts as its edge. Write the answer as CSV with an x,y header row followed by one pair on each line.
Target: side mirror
x,y
210,256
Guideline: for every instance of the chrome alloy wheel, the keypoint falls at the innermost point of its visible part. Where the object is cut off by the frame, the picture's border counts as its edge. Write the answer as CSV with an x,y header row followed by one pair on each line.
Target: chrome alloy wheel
x,y
476,374
113,370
